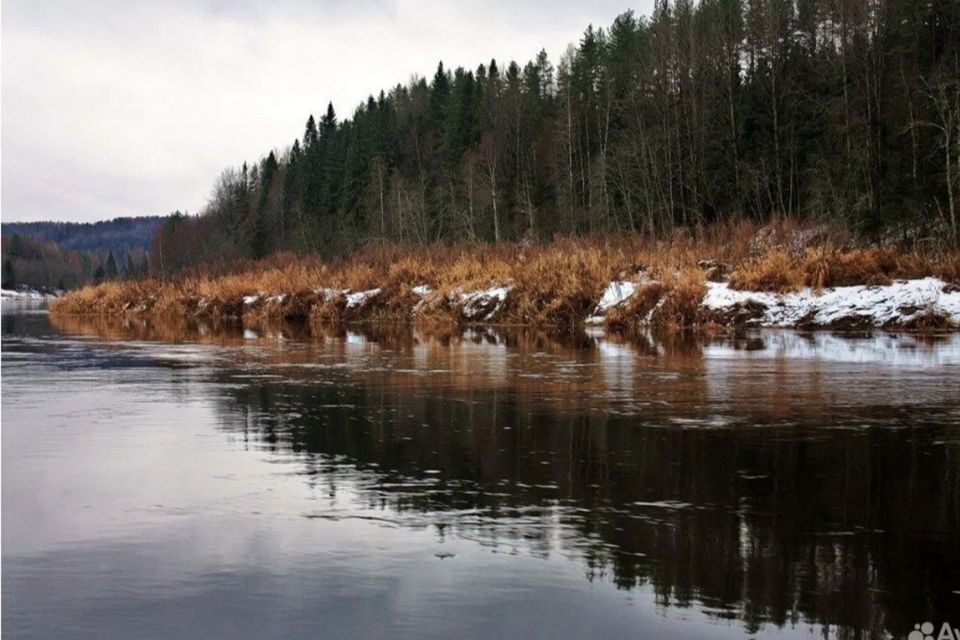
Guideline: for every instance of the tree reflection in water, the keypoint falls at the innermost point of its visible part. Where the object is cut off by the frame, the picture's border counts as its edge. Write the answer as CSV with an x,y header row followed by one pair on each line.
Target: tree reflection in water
x,y
773,477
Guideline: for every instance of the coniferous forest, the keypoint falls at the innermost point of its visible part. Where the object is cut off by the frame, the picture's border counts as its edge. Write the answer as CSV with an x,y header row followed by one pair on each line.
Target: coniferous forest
x,y
847,110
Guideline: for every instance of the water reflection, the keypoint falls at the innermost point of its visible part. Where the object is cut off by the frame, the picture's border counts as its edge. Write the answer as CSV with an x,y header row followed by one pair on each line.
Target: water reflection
x,y
769,478
856,527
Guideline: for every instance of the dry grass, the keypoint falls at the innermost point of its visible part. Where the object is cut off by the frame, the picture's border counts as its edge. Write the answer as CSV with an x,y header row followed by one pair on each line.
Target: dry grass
x,y
553,284
820,267
560,284
774,271
635,311
681,303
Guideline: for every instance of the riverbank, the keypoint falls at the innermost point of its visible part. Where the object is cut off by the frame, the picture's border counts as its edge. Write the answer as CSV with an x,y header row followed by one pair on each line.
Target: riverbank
x,y
22,294
726,277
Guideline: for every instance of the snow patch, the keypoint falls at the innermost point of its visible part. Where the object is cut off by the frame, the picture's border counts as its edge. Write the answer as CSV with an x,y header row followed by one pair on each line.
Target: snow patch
x,y
897,303
483,305
361,297
901,301
248,300
27,294
616,293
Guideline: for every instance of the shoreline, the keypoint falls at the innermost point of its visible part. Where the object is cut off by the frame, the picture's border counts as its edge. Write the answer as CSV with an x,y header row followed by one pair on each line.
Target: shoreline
x,y
920,304
28,294
727,277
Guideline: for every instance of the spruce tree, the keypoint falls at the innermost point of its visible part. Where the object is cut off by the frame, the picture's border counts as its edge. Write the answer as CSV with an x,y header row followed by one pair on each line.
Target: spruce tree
x,y
9,280
111,270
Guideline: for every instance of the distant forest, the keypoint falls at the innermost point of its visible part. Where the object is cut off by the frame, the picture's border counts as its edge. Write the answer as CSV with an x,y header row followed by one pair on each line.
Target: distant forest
x,y
701,112
64,255
119,235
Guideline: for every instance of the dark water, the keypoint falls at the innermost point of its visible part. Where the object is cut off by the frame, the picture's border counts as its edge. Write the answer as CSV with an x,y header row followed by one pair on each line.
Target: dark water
x,y
194,481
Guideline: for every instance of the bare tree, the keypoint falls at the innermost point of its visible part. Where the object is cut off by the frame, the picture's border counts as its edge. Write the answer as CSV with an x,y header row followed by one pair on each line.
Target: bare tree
x,y
943,92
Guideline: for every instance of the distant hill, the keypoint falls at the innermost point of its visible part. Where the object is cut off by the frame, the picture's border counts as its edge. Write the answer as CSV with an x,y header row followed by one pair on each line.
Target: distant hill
x,y
120,235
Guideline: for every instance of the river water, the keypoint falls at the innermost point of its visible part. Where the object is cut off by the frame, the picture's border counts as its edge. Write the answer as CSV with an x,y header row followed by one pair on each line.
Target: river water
x,y
194,481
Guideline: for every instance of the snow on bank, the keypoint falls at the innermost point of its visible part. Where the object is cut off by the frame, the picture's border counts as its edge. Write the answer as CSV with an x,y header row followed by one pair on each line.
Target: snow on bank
x,y
920,303
360,298
483,305
354,298
479,305
616,293
898,303
27,294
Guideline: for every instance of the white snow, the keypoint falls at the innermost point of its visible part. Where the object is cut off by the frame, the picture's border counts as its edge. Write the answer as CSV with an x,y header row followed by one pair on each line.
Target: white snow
x,y
248,300
899,301
422,290
30,294
616,293
484,304
360,297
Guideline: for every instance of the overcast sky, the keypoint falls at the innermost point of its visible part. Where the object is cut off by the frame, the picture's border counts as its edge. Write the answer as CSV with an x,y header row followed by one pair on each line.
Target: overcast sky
x,y
117,108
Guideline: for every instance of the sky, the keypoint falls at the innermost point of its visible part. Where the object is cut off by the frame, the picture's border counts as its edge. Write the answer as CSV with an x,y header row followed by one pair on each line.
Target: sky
x,y
121,108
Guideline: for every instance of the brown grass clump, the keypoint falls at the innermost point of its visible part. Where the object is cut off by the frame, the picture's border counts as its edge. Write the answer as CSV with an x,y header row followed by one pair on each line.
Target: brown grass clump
x,y
775,271
681,303
635,310
822,267
558,286
873,266
949,268
672,303
927,322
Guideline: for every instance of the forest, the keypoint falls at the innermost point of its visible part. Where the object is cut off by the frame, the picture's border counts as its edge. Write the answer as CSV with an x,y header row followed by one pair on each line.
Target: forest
x,y
120,235
32,263
65,255
841,110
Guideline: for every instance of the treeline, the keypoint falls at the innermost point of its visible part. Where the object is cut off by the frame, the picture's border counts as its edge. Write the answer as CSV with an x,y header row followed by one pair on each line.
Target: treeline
x,y
703,111
120,235
35,264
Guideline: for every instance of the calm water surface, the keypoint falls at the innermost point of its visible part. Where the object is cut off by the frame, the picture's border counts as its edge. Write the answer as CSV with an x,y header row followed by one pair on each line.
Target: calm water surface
x,y
192,481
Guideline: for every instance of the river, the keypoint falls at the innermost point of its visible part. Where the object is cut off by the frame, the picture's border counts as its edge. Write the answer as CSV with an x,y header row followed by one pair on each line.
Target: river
x,y
383,482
